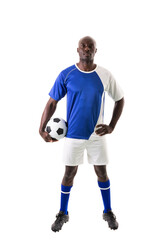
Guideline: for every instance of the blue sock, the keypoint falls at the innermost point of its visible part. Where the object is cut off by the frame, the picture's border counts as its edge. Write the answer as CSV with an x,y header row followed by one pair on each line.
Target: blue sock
x,y
105,191
65,193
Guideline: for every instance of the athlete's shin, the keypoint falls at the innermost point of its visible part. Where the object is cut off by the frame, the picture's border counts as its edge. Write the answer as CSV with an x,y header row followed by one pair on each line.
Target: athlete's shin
x,y
105,191
65,193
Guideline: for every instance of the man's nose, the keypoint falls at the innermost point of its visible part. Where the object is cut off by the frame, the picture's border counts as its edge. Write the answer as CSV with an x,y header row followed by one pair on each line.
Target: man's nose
x,y
87,48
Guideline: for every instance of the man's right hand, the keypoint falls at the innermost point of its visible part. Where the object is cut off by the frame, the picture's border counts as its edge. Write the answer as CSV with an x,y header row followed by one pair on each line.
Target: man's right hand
x,y
47,114
47,137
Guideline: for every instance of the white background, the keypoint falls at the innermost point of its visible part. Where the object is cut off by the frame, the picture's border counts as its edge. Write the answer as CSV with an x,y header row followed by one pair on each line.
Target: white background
x,y
38,40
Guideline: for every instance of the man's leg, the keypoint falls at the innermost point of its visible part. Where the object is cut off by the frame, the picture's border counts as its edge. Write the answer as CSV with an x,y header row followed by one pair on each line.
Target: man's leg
x,y
104,185
70,172
66,186
101,173
67,183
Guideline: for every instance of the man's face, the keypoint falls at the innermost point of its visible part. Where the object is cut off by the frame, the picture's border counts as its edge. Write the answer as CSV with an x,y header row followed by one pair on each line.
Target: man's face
x,y
87,49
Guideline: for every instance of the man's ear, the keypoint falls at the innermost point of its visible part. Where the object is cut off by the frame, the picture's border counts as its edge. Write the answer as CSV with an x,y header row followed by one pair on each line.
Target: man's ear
x,y
78,50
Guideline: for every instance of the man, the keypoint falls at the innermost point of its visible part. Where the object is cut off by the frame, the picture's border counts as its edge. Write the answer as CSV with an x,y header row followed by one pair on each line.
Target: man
x,y
85,84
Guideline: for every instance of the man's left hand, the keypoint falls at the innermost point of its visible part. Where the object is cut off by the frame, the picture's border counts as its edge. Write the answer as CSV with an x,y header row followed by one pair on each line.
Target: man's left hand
x,y
103,129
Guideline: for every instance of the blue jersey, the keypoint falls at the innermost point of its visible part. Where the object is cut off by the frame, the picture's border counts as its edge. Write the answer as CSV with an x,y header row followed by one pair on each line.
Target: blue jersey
x,y
85,98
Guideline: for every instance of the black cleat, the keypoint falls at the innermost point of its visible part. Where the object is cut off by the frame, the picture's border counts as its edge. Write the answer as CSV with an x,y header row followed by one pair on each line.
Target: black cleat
x,y
111,219
61,219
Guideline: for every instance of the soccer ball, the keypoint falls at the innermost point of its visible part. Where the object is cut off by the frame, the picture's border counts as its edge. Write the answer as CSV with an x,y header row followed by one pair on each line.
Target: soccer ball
x,y
57,128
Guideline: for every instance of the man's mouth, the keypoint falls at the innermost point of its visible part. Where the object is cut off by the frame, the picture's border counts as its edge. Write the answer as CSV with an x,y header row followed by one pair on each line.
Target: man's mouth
x,y
87,54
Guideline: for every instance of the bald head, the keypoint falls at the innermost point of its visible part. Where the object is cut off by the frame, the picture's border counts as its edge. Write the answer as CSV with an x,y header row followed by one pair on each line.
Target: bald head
x,y
87,39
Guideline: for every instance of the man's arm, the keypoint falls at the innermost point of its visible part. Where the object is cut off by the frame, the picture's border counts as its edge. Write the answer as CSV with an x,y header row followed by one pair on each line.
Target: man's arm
x,y
47,114
105,129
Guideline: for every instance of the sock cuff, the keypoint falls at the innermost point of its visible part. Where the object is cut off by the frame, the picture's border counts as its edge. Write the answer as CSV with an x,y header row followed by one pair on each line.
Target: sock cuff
x,y
104,185
65,189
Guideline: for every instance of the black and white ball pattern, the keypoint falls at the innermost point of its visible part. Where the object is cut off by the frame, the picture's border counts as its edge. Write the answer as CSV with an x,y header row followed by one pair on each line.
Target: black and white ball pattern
x,y
57,128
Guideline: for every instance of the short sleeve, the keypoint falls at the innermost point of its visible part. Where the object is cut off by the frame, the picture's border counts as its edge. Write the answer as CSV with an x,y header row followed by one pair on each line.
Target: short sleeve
x,y
114,90
58,90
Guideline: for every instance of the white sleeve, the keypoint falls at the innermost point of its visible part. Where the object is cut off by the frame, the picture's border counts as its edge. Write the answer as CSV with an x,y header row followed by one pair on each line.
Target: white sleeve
x,y
109,83
113,89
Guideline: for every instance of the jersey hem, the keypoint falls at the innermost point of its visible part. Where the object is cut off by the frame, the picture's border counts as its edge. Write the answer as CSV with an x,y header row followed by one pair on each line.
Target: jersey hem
x,y
78,137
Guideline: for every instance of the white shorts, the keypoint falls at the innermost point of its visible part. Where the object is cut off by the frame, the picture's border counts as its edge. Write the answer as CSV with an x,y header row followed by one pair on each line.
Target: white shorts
x,y
73,153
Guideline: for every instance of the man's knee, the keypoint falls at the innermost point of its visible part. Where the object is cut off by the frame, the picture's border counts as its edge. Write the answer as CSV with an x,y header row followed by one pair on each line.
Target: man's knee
x,y
101,173
69,175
